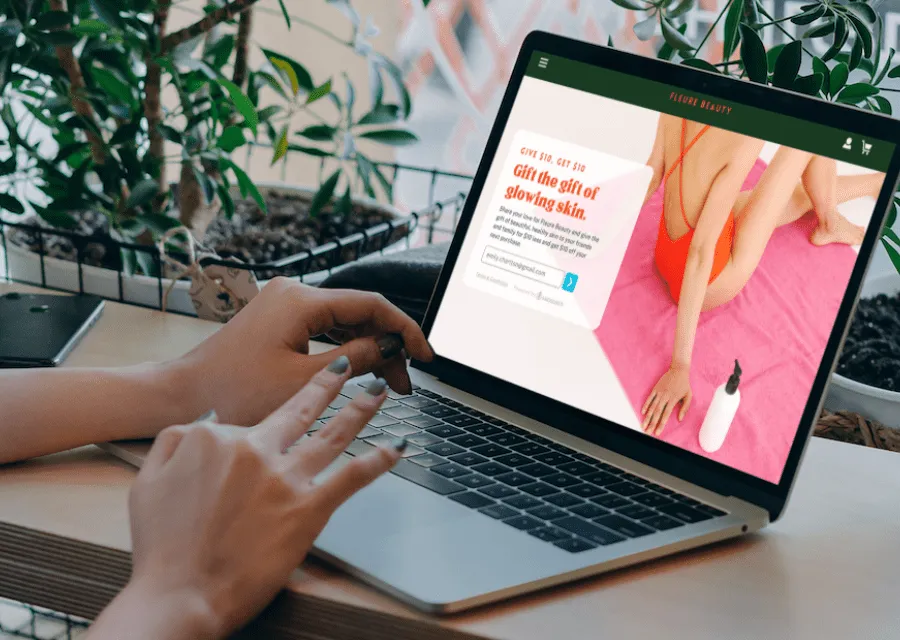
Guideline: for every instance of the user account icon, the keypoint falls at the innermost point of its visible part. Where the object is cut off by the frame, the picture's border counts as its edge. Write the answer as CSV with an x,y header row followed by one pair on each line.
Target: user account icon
x,y
569,282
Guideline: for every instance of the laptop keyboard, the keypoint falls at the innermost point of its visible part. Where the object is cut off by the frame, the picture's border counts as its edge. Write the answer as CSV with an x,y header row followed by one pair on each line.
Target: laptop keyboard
x,y
524,480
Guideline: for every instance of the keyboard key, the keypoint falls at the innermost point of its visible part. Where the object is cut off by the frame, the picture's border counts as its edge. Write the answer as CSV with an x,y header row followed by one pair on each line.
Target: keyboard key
x,y
523,522
329,412
547,512
462,420
496,490
610,501
472,500
688,501
428,394
490,450
513,460
683,512
389,404
467,440
506,439
453,403
495,421
467,459
564,500
514,479
492,469
445,449
523,502
575,545
519,431
537,469
440,411
367,432
417,402
422,439
450,470
423,421
339,402
550,534
425,478
380,420
629,476
400,430
401,412
705,508
553,458
529,448
652,500
636,512
588,510
394,395
601,478
587,530
561,480
475,481
427,460
499,511
444,431
625,488
585,490
623,526
576,468
662,522
539,489
358,448
380,440
482,429
666,492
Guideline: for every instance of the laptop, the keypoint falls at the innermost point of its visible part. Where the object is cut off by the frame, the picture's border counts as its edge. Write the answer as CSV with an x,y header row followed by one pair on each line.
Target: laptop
x,y
527,465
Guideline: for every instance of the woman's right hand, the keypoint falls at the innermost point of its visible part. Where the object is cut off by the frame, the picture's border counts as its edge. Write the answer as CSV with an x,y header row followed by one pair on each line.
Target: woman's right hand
x,y
219,522
673,387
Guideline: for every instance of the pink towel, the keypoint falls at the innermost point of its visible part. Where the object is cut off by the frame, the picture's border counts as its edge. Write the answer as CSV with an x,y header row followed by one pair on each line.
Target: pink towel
x,y
776,327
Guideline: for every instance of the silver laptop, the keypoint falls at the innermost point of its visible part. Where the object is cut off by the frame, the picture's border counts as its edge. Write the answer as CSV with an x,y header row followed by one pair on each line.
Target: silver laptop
x,y
528,465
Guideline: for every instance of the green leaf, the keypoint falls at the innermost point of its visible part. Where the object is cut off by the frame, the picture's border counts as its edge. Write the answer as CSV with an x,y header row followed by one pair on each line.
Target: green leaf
x,y
324,194
365,170
226,200
855,53
158,222
632,5
52,20
893,254
295,72
246,186
396,77
60,38
787,65
753,55
809,16
840,38
698,63
108,11
267,112
281,146
862,11
113,85
822,69
857,92
820,30
732,35
318,132
609,42
887,65
143,193
11,204
125,134
385,183
232,138
90,27
57,218
345,204
839,75
891,235
883,105
864,34
665,51
645,29
319,92
892,214
284,12
381,114
772,55
241,103
310,151
376,85
272,81
393,137
673,37
170,134
809,85
680,8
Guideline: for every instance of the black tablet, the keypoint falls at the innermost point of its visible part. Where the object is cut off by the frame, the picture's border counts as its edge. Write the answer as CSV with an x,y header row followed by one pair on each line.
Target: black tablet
x,y
39,330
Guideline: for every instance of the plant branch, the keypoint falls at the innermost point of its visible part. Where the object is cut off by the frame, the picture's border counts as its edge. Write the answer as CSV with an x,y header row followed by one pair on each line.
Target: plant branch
x,y
226,12
713,26
763,11
153,105
241,47
311,25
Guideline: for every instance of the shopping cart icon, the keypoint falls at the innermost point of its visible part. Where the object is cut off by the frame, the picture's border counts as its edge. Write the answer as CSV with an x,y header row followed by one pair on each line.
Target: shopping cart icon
x,y
867,147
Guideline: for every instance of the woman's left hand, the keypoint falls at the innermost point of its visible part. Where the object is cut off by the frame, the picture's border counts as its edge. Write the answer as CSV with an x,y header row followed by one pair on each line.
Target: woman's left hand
x,y
673,387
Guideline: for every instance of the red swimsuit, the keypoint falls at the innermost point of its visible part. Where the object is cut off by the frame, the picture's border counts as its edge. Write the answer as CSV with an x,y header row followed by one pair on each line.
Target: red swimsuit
x,y
671,255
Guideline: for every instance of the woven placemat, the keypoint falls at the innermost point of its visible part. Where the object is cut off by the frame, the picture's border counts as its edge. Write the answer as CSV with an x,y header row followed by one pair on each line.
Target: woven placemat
x,y
855,429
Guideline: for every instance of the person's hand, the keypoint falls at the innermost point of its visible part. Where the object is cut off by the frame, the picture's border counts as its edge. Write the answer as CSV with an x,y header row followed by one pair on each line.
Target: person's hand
x,y
674,387
261,357
219,522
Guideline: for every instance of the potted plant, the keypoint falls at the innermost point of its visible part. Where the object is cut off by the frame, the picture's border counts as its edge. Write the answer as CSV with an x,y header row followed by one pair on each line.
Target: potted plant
x,y
123,129
839,44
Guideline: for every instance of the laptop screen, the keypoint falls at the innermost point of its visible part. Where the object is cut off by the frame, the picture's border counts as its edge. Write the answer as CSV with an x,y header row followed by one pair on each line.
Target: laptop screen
x,y
667,261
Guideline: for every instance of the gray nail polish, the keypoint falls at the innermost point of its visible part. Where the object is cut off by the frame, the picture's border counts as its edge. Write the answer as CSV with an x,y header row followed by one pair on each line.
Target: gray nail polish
x,y
376,387
390,346
399,444
339,365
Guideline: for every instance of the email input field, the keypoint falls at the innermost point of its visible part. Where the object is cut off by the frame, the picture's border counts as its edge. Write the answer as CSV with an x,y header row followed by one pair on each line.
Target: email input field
x,y
550,276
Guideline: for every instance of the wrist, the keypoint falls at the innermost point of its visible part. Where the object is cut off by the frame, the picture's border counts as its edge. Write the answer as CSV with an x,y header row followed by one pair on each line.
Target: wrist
x,y
680,365
177,389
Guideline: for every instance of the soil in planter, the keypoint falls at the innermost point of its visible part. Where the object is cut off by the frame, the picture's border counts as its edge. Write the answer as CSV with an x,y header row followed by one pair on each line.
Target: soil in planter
x,y
250,235
872,351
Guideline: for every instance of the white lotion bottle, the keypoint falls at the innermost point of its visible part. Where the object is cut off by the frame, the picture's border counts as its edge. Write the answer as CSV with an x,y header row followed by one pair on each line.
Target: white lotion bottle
x,y
721,412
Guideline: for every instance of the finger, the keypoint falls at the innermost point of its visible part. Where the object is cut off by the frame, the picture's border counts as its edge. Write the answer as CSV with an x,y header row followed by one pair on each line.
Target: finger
x,y
365,354
164,447
651,411
316,453
356,474
396,374
684,405
657,414
665,418
288,423
353,308
648,401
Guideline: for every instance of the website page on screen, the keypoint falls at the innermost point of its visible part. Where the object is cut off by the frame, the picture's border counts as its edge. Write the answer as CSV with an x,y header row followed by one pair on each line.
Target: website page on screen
x,y
668,261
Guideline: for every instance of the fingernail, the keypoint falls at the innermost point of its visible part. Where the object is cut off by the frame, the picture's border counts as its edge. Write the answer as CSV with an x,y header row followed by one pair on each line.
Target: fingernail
x,y
209,416
399,444
339,365
390,345
376,387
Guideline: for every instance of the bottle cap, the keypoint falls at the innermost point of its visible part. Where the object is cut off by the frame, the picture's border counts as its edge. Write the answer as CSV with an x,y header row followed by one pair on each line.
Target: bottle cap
x,y
734,380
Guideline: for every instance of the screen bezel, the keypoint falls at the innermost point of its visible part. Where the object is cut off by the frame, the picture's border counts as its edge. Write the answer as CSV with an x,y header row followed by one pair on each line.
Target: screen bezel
x,y
666,457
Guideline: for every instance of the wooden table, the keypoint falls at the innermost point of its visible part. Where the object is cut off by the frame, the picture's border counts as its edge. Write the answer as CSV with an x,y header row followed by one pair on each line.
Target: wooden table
x,y
829,569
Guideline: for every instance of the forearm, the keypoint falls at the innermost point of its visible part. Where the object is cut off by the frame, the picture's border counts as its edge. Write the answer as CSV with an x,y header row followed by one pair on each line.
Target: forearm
x,y
48,410
693,292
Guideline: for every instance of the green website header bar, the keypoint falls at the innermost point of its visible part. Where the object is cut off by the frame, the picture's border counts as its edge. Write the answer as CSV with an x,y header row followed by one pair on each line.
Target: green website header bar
x,y
741,118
